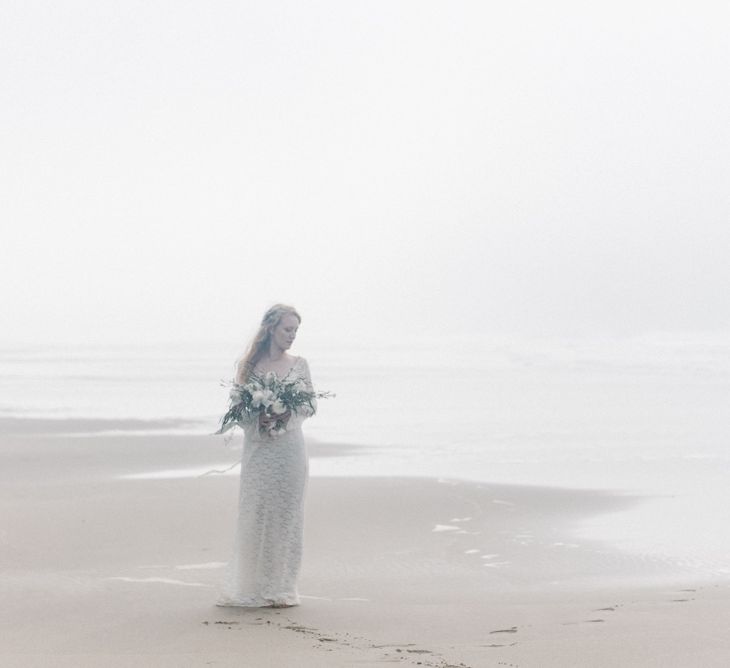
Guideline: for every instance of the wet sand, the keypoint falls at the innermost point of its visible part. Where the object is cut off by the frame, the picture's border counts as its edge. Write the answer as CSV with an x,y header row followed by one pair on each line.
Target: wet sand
x,y
101,566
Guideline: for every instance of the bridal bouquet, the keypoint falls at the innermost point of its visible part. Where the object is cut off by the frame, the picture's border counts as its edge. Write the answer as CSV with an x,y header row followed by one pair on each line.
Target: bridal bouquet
x,y
271,396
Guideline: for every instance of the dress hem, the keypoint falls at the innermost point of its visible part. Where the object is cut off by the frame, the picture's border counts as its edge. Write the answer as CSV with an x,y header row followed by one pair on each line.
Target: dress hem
x,y
256,601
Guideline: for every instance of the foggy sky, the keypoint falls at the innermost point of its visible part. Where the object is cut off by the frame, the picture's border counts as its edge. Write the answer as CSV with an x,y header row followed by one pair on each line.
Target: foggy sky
x,y
400,169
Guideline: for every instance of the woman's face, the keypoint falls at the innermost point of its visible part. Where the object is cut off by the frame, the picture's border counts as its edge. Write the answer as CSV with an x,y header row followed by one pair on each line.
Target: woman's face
x,y
286,331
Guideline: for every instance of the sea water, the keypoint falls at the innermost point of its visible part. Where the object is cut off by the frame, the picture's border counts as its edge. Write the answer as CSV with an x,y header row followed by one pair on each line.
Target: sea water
x,y
645,416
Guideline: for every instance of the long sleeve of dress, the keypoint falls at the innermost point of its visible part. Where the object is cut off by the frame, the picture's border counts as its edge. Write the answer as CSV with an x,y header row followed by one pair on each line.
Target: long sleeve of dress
x,y
305,411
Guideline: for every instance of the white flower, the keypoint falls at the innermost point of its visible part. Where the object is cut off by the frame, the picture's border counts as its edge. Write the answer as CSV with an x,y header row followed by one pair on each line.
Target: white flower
x,y
278,407
262,398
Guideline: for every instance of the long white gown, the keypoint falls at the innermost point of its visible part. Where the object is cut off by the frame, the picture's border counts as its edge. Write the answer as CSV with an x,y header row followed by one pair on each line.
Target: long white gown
x,y
267,551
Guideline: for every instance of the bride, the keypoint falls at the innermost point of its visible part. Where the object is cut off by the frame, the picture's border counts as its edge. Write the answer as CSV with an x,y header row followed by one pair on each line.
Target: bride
x,y
267,552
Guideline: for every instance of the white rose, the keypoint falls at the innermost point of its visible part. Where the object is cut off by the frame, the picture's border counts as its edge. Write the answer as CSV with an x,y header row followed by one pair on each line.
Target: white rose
x,y
278,407
267,398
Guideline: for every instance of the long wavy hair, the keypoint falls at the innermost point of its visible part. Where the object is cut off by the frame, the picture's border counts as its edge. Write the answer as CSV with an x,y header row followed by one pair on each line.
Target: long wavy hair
x,y
260,343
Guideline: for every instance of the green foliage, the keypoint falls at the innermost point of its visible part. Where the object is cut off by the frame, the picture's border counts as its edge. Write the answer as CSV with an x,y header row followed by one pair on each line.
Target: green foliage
x,y
271,396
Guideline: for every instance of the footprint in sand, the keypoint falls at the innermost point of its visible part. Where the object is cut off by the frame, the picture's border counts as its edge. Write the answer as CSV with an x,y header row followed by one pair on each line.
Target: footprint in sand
x,y
684,600
512,629
410,644
512,644
300,629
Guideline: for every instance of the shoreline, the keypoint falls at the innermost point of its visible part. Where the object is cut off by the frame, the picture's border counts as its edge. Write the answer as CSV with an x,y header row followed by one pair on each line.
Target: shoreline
x,y
102,570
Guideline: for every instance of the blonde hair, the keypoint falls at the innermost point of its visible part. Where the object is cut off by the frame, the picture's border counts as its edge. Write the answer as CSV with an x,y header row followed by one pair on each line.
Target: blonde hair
x,y
260,342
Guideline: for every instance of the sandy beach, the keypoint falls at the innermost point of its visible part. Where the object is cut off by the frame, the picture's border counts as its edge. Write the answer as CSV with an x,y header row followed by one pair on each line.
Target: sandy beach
x,y
107,561
489,239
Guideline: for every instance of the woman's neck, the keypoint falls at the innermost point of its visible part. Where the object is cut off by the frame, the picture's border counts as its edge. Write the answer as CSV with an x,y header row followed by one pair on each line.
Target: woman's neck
x,y
276,354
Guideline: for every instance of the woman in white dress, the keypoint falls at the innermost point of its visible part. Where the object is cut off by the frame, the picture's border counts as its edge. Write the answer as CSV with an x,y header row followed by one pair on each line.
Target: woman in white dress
x,y
267,554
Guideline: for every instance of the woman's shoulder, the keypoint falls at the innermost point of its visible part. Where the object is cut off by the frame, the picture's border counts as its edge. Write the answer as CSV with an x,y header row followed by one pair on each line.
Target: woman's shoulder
x,y
242,368
301,364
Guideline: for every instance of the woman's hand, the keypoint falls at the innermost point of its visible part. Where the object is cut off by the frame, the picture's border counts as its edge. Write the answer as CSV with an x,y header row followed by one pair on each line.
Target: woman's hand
x,y
268,422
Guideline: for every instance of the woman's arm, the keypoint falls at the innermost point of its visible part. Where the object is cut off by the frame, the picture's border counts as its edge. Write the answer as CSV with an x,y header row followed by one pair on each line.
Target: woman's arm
x,y
240,379
306,411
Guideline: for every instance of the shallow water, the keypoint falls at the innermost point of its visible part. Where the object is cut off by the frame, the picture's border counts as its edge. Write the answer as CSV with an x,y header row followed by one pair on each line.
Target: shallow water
x,y
644,416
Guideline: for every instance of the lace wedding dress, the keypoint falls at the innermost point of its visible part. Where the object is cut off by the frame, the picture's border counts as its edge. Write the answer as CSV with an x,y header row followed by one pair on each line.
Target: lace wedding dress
x,y
267,550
